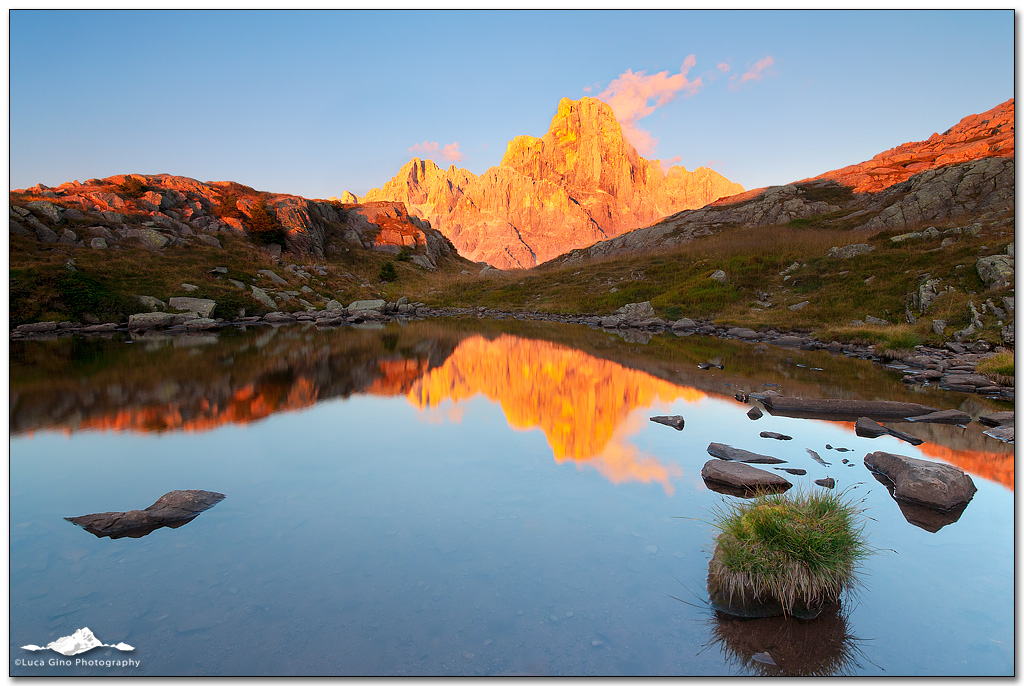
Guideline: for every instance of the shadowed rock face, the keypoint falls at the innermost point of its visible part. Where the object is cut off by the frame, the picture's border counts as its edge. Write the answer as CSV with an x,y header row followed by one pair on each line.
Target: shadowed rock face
x,y
172,509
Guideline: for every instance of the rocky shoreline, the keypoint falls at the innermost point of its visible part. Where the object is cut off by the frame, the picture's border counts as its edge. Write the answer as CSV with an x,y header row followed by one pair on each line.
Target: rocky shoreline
x,y
952,367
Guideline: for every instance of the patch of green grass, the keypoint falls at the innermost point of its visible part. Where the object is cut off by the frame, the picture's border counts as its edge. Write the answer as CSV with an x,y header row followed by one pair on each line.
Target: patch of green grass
x,y
794,548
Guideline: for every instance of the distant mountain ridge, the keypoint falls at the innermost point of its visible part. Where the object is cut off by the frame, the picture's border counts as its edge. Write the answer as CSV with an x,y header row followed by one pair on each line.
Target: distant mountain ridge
x,y
966,171
580,183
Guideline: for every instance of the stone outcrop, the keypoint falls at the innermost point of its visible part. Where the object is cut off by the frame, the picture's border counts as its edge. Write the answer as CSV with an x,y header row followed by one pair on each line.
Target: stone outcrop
x,y
579,183
172,509
675,421
969,170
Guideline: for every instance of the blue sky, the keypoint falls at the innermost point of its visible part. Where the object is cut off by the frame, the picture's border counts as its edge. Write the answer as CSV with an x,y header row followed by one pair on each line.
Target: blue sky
x,y
314,103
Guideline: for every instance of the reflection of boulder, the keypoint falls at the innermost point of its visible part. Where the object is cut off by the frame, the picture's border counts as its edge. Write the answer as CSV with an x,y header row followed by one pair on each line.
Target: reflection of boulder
x,y
927,518
173,509
797,647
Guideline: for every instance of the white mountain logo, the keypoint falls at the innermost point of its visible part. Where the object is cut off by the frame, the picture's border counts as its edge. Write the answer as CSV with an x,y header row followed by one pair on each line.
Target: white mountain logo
x,y
82,641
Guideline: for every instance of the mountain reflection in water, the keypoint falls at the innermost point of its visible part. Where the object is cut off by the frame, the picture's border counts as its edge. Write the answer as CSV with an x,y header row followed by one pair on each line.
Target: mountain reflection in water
x,y
587,394
583,404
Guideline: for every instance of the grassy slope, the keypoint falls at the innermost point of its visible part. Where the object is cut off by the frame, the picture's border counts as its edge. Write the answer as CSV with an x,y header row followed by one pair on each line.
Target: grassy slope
x,y
677,285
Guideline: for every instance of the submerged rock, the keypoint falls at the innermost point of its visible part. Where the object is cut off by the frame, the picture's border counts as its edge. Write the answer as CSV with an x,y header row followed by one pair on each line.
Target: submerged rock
x,y
931,484
776,436
675,421
172,509
727,452
943,417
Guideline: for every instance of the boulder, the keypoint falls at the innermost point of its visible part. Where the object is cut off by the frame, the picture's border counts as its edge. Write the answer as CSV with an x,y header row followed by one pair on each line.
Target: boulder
x,y
172,509
37,327
849,251
928,484
800,305
151,303
262,296
202,306
273,277
996,271
683,324
98,243
152,239
151,320
334,306
212,241
727,452
719,276
742,477
364,306
869,428
47,210
994,419
741,333
675,421
1001,433
755,413
279,317
827,482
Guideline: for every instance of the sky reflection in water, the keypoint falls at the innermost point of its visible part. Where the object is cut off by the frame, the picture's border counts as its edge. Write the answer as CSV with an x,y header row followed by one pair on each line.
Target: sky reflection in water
x,y
404,502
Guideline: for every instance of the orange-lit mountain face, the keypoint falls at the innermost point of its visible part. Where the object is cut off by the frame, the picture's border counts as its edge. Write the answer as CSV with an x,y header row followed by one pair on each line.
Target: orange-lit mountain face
x,y
989,134
580,402
964,173
581,182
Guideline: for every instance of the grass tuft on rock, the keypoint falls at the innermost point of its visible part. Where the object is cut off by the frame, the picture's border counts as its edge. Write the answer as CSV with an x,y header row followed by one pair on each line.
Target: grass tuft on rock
x,y
998,367
801,549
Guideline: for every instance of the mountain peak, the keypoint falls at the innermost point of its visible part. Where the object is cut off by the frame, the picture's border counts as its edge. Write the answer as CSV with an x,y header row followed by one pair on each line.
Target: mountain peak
x,y
580,182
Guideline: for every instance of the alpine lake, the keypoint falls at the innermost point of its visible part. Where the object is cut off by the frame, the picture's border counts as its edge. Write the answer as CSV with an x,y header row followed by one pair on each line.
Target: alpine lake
x,y
469,497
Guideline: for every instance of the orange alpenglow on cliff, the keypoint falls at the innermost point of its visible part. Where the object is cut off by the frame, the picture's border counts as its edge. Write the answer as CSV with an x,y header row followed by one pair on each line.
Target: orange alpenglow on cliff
x,y
580,402
580,183
989,134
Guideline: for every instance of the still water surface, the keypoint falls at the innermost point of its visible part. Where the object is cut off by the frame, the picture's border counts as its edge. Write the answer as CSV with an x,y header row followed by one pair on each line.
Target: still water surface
x,y
466,498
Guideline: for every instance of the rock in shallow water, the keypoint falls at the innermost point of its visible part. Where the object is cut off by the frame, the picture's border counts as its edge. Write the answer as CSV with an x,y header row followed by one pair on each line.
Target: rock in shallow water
x,y
743,477
172,509
675,421
931,484
727,452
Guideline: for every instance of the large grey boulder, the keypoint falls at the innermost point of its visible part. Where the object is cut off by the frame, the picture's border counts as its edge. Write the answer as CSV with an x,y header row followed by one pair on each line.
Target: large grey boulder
x,y
37,327
931,484
152,239
202,306
727,452
172,509
364,306
742,478
848,251
996,271
46,209
262,296
273,277
151,320
150,303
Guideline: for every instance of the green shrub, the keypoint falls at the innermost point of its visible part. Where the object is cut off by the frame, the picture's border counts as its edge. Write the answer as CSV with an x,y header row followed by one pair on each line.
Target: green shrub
x,y
388,272
79,294
405,254
131,187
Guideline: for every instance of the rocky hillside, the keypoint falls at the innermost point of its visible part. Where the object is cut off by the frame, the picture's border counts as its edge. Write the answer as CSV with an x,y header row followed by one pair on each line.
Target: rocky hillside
x,y
108,248
581,182
965,173
161,210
